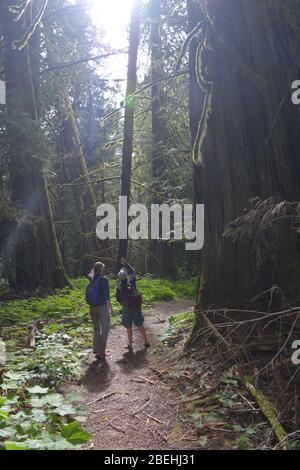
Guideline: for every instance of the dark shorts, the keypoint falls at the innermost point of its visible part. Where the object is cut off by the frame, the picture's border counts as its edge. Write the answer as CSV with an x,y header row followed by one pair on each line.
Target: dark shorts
x,y
131,317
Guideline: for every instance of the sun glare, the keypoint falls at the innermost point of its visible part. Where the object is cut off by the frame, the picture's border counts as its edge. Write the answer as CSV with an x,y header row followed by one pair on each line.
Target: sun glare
x,y
113,17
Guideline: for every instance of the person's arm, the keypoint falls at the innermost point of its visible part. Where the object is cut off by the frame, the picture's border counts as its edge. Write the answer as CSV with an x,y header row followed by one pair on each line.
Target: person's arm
x,y
130,269
105,292
107,296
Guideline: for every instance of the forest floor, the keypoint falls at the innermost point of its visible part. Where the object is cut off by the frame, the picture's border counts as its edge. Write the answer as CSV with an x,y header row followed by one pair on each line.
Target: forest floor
x,y
165,397
130,404
56,396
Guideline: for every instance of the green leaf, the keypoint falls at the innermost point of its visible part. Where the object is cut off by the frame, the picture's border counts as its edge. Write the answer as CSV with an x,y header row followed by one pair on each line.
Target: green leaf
x,y
34,444
74,396
15,375
38,402
4,415
199,424
52,442
65,410
2,401
10,386
237,427
54,399
10,445
37,390
202,442
75,434
39,415
4,433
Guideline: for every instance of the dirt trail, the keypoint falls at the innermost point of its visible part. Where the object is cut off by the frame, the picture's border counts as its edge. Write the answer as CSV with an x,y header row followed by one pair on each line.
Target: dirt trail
x,y
130,405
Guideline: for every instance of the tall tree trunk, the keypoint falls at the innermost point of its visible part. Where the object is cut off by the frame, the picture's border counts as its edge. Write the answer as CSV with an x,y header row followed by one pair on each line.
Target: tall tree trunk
x,y
196,101
36,261
251,142
161,253
85,200
129,112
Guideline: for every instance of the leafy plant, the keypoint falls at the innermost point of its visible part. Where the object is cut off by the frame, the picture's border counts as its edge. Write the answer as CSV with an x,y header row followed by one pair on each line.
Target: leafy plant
x,y
242,442
202,442
227,377
177,323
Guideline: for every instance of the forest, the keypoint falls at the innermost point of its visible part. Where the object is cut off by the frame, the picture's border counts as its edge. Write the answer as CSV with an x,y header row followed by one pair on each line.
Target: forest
x,y
149,171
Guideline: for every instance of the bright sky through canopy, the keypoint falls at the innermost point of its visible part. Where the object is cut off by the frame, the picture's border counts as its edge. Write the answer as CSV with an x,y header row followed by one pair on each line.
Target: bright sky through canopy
x,y
113,17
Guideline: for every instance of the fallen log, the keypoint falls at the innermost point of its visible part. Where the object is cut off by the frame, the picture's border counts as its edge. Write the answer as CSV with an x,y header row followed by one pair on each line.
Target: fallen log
x,y
269,412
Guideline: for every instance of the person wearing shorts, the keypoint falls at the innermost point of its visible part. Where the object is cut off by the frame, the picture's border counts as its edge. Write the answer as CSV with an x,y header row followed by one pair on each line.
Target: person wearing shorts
x,y
131,316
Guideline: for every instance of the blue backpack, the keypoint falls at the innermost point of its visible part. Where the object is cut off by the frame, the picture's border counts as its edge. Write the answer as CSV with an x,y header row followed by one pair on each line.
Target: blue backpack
x,y
93,292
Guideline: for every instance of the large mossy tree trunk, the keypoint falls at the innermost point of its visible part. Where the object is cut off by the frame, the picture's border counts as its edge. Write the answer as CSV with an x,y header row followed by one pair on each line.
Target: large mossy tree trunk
x,y
248,142
35,259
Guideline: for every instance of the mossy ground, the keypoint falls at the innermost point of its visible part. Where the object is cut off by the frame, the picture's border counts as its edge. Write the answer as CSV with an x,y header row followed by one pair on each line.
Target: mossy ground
x,y
71,303
62,345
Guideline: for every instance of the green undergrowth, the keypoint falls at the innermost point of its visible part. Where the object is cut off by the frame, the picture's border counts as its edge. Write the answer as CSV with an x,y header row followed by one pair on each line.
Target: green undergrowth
x,y
34,411
178,323
65,302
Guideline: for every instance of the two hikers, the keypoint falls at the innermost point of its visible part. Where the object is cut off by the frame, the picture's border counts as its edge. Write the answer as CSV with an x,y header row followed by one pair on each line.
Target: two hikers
x,y
131,300
98,298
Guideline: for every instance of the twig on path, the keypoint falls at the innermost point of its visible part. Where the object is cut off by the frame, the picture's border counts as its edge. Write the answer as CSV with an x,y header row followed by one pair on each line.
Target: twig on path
x,y
247,401
188,439
184,437
116,428
154,419
142,380
103,397
175,403
142,407
138,381
100,411
96,431
158,372
146,380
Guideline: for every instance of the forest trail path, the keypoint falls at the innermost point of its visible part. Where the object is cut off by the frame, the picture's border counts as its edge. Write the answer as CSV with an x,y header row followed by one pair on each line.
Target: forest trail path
x,y
130,405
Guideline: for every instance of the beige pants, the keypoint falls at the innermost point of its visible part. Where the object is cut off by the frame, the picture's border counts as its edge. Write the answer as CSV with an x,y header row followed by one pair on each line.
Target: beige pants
x,y
101,323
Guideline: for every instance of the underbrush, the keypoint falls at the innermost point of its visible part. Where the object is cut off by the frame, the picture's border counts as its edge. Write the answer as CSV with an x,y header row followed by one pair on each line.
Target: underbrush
x,y
178,324
68,301
223,414
34,413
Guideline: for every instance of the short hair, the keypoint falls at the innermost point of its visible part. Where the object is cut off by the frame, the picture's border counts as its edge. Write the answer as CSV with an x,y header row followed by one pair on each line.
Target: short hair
x,y
98,268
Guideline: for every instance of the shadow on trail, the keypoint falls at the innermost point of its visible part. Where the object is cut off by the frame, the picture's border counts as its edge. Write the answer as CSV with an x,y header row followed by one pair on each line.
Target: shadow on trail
x,y
132,361
97,377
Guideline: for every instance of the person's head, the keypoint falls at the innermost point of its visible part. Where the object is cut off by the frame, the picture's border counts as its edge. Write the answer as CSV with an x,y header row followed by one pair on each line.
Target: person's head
x,y
123,260
98,268
122,276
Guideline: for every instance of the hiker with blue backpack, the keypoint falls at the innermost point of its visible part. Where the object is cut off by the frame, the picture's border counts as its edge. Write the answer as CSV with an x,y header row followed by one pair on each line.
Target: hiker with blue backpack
x,y
98,297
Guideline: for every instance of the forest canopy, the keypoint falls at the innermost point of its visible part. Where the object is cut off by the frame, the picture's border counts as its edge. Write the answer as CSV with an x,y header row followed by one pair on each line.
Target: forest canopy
x,y
187,111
